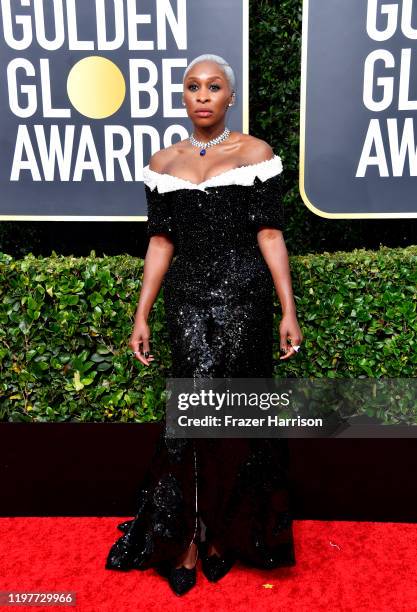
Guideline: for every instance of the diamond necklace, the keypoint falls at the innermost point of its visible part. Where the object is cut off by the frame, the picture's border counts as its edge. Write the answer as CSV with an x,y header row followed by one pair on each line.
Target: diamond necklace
x,y
204,145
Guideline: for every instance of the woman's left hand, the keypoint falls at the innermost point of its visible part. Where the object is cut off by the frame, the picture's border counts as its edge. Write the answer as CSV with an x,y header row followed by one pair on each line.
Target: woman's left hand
x,y
289,330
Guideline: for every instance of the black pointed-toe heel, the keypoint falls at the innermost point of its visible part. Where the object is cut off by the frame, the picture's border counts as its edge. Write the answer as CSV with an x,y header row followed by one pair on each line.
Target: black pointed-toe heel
x,y
125,525
182,579
215,567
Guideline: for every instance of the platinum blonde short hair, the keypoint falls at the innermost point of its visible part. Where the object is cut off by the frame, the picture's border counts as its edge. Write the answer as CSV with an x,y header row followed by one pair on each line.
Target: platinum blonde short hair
x,y
227,69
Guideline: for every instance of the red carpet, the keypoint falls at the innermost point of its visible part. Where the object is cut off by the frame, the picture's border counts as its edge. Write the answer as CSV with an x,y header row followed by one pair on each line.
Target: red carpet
x,y
347,566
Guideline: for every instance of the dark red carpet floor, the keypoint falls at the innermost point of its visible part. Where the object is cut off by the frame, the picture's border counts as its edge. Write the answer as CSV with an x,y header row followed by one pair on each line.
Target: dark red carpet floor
x,y
345,566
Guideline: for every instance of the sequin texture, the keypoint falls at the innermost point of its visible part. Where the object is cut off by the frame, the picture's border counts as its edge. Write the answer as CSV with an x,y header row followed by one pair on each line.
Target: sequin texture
x,y
218,297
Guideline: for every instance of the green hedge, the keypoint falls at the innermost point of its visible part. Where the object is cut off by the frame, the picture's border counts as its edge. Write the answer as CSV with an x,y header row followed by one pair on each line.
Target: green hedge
x,y
65,325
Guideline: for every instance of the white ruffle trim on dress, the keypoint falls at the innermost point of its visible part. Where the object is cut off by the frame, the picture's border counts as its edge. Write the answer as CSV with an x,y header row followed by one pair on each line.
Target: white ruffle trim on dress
x,y
243,175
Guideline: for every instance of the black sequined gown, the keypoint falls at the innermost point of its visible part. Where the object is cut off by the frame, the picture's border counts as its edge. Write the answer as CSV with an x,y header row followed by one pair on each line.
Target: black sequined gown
x,y
218,296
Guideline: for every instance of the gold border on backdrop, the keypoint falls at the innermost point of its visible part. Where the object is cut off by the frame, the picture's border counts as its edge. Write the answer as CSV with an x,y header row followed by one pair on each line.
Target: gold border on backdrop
x,y
245,130
310,205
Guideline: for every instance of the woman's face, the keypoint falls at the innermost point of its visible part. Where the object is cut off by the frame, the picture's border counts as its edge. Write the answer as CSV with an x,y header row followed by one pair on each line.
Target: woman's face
x,y
207,93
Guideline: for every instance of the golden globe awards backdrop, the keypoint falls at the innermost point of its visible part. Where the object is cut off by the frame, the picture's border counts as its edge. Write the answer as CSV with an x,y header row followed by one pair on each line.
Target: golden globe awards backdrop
x,y
358,139
91,88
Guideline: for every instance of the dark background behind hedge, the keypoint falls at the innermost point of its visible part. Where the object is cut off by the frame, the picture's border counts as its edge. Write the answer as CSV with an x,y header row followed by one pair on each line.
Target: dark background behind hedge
x,y
275,33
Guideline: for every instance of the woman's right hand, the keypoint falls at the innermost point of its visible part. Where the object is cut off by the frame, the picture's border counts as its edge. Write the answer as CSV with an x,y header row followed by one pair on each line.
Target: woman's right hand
x,y
139,342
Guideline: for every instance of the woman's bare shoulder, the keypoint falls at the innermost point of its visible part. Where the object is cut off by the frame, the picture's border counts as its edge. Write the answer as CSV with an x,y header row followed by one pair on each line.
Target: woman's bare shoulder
x,y
164,157
256,150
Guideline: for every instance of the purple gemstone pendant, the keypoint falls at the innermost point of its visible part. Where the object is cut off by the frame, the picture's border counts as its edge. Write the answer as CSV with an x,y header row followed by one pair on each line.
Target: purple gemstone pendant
x,y
202,152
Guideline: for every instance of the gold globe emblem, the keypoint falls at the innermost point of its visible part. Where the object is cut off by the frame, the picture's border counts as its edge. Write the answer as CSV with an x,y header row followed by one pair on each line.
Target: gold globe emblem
x,y
96,87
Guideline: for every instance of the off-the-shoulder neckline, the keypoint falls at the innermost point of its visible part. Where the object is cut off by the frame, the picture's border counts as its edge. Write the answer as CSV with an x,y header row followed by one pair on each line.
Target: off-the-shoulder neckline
x,y
264,167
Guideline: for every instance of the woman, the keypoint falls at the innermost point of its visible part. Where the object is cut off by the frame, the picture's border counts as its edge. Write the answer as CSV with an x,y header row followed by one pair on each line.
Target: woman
x,y
214,201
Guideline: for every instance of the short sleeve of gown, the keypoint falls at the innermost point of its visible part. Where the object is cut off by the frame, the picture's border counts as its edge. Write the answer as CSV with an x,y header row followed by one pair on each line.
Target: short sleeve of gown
x,y
265,205
159,212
